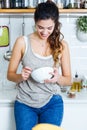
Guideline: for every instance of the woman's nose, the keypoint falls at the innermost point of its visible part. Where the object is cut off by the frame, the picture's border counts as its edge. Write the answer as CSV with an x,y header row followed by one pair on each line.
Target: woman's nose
x,y
45,31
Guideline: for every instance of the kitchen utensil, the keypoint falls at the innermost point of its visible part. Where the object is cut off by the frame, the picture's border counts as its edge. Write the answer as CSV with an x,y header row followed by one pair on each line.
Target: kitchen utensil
x,y
8,53
41,74
23,26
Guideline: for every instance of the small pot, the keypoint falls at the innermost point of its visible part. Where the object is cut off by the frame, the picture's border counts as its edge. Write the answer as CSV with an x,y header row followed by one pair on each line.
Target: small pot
x,y
71,94
82,36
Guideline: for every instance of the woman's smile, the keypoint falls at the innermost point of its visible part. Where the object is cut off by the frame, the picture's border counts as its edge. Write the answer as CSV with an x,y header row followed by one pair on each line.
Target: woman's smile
x,y
45,28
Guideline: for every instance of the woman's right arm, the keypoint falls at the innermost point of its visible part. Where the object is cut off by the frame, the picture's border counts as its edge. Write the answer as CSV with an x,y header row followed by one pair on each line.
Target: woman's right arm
x,y
17,54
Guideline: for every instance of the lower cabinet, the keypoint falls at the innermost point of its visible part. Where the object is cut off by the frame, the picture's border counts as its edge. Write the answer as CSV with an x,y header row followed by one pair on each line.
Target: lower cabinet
x,y
7,121
75,116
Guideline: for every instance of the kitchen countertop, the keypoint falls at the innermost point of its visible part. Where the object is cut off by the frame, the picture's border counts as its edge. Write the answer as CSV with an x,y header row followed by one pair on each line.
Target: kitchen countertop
x,y
80,98
8,97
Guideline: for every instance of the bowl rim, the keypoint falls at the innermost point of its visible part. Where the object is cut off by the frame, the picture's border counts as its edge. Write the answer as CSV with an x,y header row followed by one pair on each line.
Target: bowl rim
x,y
36,70
41,68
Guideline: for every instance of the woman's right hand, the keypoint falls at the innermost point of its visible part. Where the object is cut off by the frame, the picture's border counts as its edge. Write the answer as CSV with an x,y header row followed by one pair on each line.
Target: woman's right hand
x,y
26,72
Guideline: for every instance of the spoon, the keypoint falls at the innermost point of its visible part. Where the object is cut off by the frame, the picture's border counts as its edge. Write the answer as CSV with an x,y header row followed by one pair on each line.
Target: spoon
x,y
8,53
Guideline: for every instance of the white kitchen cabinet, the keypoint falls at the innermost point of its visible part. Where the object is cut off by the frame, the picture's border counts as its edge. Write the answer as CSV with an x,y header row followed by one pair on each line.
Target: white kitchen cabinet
x,y
7,121
75,116
75,111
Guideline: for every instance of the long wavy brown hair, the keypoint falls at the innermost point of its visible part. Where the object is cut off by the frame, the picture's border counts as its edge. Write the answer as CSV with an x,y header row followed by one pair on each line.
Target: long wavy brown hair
x,y
49,10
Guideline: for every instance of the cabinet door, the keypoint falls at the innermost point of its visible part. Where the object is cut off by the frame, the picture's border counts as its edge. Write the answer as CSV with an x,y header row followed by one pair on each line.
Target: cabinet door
x,y
75,117
7,121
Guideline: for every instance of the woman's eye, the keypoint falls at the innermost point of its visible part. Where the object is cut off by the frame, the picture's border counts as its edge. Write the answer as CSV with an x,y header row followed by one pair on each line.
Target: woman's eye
x,y
49,28
40,27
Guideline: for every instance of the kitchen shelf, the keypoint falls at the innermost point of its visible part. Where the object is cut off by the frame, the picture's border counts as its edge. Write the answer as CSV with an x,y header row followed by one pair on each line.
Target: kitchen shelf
x,y
31,10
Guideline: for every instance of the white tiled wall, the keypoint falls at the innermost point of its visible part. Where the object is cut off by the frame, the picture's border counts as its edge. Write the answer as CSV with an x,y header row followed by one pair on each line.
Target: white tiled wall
x,y
78,49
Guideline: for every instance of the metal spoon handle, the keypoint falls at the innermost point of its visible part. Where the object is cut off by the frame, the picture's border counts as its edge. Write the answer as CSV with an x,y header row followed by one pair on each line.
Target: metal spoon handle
x,y
9,34
23,27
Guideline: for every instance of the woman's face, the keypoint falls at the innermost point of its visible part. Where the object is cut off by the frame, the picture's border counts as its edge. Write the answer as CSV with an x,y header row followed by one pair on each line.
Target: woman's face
x,y
45,28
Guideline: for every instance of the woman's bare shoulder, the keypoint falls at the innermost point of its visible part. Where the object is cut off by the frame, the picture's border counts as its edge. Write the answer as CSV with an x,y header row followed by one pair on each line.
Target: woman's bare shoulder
x,y
64,43
19,43
19,46
19,40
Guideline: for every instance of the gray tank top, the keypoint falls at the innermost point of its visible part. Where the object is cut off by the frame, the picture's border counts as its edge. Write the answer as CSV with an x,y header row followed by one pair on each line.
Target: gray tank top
x,y
31,92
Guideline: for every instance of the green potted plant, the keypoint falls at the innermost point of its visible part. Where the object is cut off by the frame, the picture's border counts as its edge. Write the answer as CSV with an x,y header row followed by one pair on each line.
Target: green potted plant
x,y
81,24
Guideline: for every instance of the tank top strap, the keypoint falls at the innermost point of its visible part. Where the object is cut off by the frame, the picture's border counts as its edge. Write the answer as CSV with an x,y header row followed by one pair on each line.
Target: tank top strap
x,y
26,42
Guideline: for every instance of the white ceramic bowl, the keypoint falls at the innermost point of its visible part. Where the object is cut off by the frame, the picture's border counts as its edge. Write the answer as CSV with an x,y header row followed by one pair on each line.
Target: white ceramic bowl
x,y
41,74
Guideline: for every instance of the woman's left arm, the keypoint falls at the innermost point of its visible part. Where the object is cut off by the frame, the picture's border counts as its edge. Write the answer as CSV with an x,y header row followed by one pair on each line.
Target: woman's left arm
x,y
65,78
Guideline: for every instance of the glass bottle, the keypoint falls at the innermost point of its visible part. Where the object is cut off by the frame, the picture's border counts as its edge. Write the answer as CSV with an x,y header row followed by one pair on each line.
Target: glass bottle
x,y
25,3
12,3
18,4
0,4
76,85
85,4
6,4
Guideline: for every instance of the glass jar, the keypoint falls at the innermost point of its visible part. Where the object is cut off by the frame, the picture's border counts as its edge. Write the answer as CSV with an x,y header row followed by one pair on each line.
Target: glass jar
x,y
33,3
59,4
71,4
85,4
84,83
25,3
6,4
0,4
17,3
77,4
40,1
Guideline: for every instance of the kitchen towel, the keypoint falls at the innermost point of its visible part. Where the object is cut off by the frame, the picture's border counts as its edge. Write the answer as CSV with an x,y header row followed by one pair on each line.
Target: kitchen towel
x,y
4,36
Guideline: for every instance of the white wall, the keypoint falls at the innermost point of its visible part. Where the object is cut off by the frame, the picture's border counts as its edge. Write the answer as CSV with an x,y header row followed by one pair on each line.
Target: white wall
x,y
78,50
16,22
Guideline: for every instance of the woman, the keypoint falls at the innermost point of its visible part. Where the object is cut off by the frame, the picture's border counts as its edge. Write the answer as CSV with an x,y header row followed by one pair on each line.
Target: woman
x,y
40,102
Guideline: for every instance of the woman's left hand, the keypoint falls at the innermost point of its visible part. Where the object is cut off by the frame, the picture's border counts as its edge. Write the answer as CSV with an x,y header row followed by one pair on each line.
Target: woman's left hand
x,y
55,76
